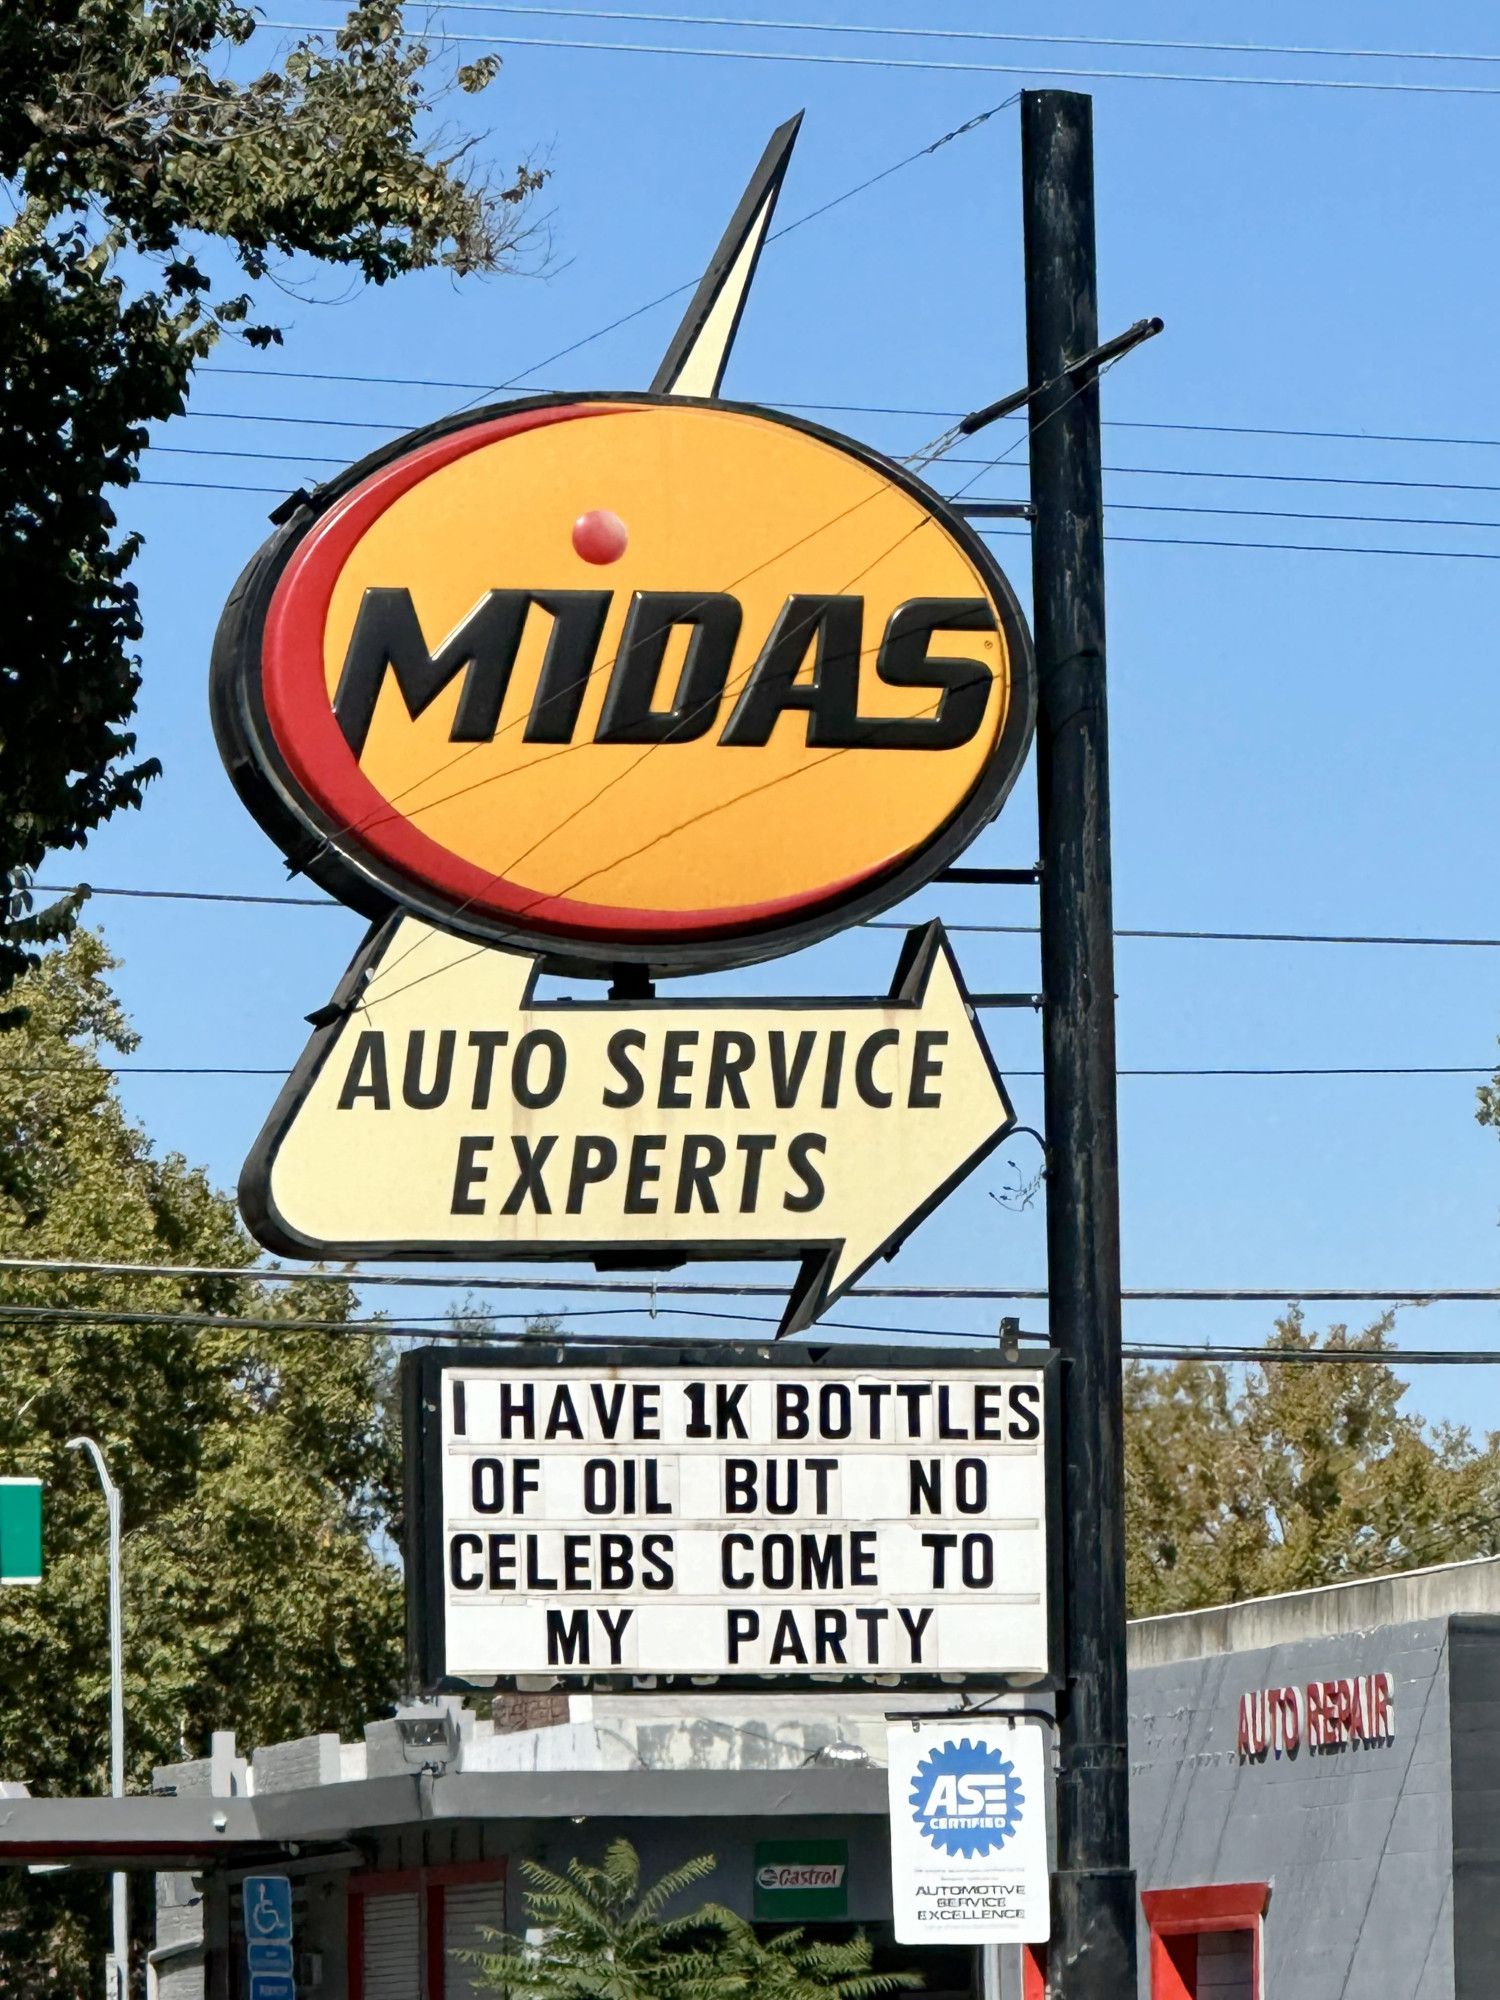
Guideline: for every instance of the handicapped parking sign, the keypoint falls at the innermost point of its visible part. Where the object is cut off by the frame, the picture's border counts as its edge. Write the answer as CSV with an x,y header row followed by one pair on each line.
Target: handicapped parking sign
x,y
267,1903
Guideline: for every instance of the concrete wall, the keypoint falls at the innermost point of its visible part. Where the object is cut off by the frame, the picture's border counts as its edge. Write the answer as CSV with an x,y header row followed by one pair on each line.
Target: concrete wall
x,y
1356,1842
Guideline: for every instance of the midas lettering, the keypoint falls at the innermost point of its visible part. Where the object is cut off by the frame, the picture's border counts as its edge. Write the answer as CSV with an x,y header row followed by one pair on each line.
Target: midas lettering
x,y
482,651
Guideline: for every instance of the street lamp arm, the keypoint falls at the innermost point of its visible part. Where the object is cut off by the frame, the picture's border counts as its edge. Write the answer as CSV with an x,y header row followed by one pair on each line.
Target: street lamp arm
x,y
111,1491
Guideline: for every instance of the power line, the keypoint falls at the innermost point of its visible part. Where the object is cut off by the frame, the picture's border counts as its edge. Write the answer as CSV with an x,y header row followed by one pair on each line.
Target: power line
x,y
748,1289
1114,471
832,409
1280,548
1257,478
1228,1071
192,896
226,451
1298,1357
690,284
461,1329
1263,513
962,34
804,56
960,131
1113,506
875,924
1148,541
211,486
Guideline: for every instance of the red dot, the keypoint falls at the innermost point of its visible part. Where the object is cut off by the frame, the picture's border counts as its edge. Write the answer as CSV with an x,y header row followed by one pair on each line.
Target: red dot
x,y
599,536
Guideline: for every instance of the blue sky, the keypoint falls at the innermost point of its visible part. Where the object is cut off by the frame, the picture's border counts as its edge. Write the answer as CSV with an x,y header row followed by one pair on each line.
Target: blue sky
x,y
1301,741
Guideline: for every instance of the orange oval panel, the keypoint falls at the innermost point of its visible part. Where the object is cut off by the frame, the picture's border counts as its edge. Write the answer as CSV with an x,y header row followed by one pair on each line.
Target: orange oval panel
x,y
635,679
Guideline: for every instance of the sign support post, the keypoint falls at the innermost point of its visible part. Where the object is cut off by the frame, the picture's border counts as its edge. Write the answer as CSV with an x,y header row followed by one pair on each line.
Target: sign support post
x,y
1093,1949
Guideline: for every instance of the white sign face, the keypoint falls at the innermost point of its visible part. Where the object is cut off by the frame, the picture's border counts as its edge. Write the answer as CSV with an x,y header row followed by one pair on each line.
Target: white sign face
x,y
969,1832
742,1521
443,1110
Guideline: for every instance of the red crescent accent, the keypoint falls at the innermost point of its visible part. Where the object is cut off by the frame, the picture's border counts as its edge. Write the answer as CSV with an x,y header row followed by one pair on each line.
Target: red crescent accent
x,y
307,734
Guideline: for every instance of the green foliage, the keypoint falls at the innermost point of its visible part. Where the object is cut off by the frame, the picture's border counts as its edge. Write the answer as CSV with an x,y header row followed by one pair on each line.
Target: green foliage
x,y
144,157
1296,1475
1488,1112
605,1938
257,1463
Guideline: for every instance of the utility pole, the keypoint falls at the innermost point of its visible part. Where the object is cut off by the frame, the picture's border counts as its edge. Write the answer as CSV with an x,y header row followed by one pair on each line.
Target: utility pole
x,y
119,1884
1093,1950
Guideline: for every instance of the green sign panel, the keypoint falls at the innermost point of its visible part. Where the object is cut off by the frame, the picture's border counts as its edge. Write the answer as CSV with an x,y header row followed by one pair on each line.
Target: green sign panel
x,y
20,1530
800,1879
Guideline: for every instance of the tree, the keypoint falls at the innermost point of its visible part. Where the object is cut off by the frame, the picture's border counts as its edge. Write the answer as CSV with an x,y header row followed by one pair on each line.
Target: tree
x,y
258,1463
605,1938
153,176
1300,1473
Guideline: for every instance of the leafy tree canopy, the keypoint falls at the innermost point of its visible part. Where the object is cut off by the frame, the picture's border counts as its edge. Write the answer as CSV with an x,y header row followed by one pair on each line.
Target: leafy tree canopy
x,y
256,1462
1293,1475
142,153
603,1937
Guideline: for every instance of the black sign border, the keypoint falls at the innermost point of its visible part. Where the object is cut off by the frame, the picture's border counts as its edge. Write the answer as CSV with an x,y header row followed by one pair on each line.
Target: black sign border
x,y
310,838
423,1538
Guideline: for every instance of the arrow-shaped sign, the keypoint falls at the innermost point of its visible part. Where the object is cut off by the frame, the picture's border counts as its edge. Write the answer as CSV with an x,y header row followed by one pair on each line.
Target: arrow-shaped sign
x,y
442,1112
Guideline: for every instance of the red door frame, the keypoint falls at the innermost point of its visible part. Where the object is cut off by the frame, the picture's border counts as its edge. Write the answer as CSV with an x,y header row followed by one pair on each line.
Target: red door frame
x,y
1180,1913
430,1885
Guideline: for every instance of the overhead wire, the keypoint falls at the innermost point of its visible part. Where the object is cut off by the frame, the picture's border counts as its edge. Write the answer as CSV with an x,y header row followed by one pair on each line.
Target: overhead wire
x,y
1438,438
651,1287
1379,86
461,1328
904,31
1278,548
235,897
1246,1070
646,1286
960,131
954,458
1196,509
1146,541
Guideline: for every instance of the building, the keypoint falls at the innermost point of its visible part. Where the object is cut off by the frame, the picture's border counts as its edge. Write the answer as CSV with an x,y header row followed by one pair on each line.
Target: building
x,y
1315,1798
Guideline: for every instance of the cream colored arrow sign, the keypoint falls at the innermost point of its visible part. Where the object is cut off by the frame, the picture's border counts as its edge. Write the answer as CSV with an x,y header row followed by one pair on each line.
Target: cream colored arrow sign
x,y
441,1111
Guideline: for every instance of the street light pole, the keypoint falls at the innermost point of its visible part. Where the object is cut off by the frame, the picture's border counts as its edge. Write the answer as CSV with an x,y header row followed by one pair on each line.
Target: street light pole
x,y
119,1884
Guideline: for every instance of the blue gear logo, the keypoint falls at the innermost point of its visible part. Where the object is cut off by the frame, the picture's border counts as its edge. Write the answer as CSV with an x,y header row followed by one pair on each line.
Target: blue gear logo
x,y
966,1798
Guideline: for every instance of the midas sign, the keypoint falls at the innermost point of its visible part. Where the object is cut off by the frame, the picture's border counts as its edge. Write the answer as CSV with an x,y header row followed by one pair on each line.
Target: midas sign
x,y
781,690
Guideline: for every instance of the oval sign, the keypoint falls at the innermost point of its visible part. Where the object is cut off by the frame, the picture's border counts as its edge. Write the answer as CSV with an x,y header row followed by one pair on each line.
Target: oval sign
x,y
627,679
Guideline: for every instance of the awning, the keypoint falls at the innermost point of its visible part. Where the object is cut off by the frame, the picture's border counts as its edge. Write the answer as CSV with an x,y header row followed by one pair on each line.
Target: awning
x,y
151,1833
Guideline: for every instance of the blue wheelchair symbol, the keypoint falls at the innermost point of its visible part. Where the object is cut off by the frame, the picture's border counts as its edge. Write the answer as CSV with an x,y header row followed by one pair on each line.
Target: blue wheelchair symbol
x,y
267,1901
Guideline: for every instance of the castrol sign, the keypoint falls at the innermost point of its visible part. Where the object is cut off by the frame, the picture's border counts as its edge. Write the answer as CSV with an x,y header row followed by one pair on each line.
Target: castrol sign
x,y
642,678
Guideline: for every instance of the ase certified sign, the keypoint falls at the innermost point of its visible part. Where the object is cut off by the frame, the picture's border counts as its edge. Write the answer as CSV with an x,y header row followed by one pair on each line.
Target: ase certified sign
x,y
968,1803
584,1516
637,678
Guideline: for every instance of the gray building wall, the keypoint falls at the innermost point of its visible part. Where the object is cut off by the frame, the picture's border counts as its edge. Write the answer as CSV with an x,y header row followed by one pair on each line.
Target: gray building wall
x,y
1356,1842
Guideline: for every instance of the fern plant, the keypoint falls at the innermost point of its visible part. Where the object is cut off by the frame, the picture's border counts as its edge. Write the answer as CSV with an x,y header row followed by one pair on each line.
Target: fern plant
x,y
595,1934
